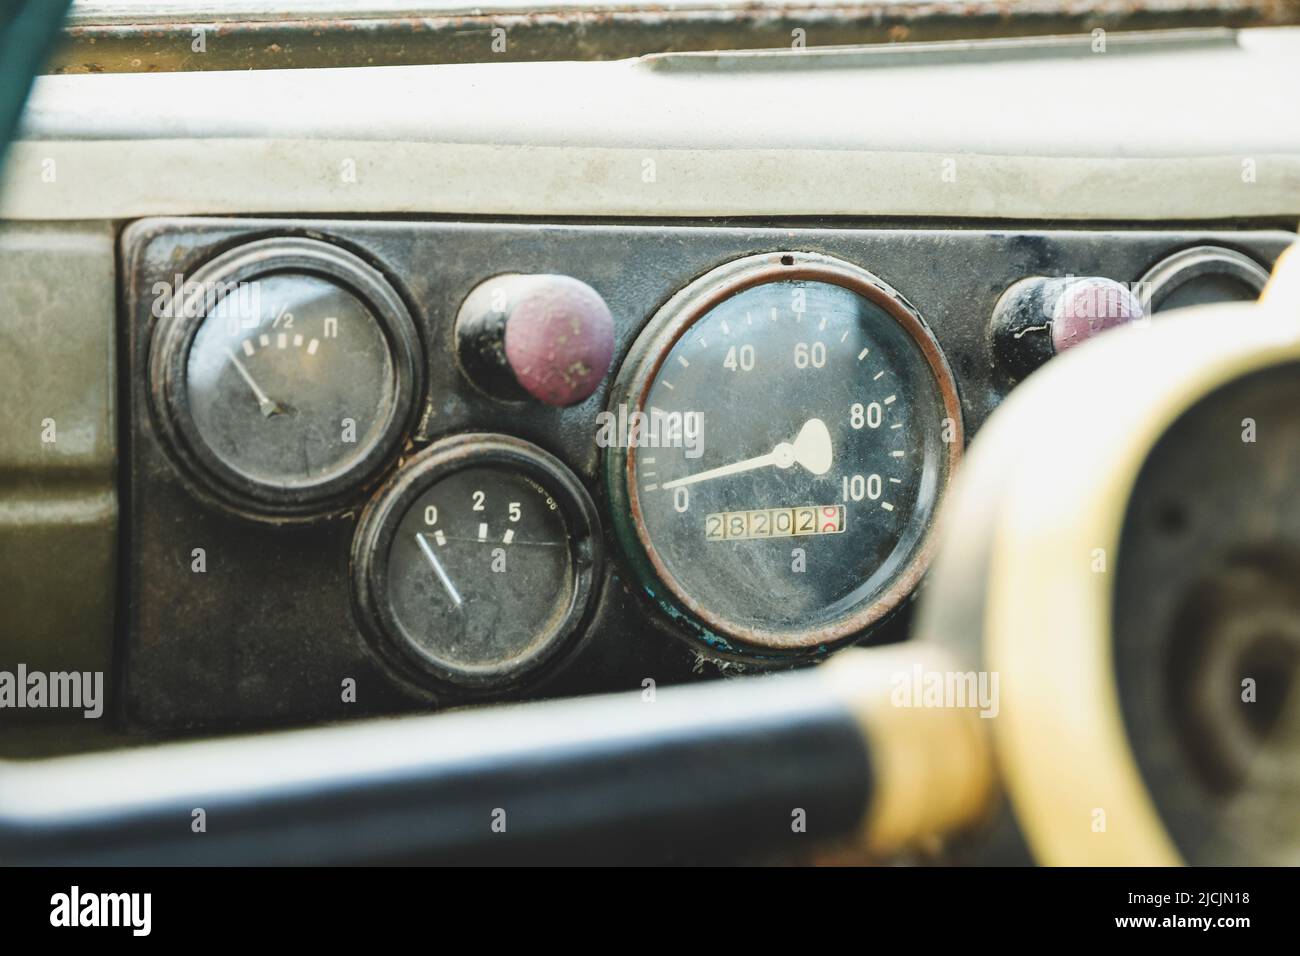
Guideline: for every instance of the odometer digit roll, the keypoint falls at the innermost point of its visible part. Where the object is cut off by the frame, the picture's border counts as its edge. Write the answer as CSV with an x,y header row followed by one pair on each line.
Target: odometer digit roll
x,y
786,427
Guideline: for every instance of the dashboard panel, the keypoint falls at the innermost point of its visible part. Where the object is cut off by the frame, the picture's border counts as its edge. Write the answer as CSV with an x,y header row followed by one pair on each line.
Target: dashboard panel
x,y
409,361
249,609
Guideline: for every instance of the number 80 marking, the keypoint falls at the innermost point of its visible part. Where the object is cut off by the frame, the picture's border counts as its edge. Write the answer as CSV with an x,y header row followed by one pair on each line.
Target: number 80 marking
x,y
871,416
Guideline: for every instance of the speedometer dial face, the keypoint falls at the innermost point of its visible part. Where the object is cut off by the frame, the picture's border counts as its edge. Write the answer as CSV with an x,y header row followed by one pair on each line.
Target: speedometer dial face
x,y
792,424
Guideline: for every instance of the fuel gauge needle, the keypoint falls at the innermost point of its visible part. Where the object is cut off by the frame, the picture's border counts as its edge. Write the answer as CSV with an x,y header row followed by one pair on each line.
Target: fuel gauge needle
x,y
437,568
267,406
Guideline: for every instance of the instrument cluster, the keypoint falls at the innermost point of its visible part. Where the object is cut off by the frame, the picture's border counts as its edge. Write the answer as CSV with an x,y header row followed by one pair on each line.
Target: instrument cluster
x,y
373,466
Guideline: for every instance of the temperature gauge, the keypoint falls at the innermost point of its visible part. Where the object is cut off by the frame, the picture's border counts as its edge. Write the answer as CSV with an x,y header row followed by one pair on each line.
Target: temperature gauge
x,y
286,373
475,565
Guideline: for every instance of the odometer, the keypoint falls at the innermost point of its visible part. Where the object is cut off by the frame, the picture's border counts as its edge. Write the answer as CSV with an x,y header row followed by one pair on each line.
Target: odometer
x,y
788,424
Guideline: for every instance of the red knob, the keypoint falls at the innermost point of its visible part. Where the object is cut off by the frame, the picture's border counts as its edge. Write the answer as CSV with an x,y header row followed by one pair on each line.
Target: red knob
x,y
1039,317
547,337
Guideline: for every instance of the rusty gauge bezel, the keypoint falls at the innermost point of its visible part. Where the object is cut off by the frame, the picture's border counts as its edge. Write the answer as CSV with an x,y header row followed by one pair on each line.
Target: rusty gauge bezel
x,y
721,637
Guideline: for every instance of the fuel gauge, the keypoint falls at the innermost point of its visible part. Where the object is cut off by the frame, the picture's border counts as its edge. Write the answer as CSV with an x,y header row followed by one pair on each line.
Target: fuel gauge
x,y
285,376
475,566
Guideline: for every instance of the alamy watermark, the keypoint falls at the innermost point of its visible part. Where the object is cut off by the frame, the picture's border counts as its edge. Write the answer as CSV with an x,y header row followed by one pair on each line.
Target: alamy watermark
x,y
923,688
239,303
75,908
651,429
1089,299
22,689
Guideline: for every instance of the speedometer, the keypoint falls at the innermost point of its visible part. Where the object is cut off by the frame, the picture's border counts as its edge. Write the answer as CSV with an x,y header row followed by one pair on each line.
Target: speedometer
x,y
777,444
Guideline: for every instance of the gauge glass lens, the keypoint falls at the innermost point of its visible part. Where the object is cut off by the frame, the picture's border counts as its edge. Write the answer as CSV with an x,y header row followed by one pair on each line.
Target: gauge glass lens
x,y
290,381
480,573
811,455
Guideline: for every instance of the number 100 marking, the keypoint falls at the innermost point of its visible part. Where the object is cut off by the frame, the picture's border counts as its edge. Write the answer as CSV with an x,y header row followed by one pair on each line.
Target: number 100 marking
x,y
857,487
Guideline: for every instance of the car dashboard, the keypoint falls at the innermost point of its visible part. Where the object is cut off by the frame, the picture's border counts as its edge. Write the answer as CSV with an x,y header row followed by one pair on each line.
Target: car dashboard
x,y
345,392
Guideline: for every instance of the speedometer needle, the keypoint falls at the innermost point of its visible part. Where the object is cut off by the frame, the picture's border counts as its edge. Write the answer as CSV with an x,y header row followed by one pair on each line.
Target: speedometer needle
x,y
810,449
267,406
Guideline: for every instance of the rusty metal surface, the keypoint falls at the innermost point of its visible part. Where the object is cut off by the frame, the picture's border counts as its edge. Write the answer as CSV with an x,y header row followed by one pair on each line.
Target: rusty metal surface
x,y
159,38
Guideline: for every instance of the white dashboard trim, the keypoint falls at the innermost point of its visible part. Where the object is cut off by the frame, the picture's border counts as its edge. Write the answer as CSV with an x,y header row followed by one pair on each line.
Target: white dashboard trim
x,y
130,178
1153,129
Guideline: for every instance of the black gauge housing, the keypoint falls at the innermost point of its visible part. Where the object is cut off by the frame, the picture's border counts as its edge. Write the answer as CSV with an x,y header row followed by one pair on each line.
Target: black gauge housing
x,y
475,568
353,361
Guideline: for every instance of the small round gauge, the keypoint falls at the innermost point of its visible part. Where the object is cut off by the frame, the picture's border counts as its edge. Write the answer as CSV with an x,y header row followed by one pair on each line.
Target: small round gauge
x,y
475,565
286,376
782,432
1200,275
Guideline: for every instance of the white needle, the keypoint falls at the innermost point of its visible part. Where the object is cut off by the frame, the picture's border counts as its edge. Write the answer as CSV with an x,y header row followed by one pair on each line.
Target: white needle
x,y
267,406
437,568
810,449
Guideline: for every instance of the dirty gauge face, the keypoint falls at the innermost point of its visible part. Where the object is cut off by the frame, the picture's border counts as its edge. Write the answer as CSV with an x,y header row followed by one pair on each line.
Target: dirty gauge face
x,y
479,569
475,564
291,393
289,386
806,427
